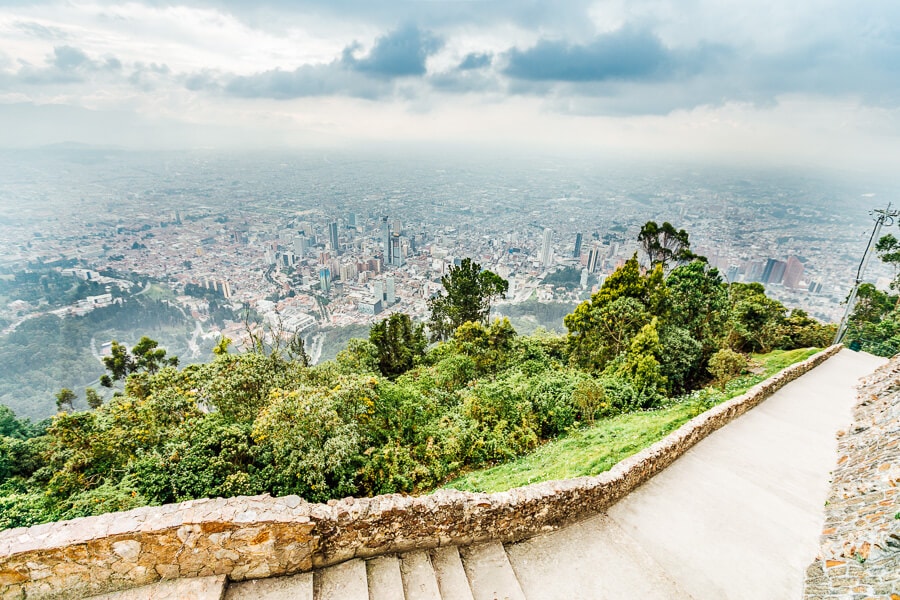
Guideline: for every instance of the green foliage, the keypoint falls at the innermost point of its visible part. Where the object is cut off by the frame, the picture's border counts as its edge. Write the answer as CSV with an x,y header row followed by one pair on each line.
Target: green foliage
x,y
470,290
400,344
726,364
665,245
641,366
65,400
756,320
389,414
602,328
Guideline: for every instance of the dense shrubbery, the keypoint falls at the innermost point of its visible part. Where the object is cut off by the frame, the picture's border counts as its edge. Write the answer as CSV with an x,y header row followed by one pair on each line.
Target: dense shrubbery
x,y
388,414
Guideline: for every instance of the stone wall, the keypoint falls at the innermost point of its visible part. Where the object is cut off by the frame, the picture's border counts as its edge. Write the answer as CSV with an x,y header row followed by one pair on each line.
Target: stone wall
x,y
246,538
859,555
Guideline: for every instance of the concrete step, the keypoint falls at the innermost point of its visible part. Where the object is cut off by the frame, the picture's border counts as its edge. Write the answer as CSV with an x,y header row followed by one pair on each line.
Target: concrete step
x,y
451,576
191,588
490,575
419,581
346,581
385,580
591,559
295,587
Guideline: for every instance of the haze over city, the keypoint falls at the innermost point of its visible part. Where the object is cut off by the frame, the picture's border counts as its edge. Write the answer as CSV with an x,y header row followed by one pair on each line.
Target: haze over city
x,y
330,161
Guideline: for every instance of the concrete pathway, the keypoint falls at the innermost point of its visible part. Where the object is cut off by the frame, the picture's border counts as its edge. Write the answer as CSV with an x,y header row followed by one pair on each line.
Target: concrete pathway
x,y
737,517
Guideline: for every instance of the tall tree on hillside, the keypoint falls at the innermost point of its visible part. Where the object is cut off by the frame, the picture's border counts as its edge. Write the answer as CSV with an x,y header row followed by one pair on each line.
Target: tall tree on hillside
x,y
664,245
146,356
399,342
470,291
603,327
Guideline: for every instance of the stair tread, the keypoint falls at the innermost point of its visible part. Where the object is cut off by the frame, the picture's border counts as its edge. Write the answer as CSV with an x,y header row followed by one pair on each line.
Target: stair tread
x,y
419,580
450,574
490,574
346,581
188,588
385,580
295,587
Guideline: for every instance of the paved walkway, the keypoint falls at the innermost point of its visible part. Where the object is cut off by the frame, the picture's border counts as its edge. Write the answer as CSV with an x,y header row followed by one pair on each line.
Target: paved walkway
x,y
737,517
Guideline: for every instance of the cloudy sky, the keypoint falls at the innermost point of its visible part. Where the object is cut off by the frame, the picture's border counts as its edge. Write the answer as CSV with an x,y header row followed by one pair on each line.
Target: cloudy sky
x,y
811,80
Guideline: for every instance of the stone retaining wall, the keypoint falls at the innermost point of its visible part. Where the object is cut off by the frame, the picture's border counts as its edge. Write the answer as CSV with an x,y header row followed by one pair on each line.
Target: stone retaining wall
x,y
859,555
247,538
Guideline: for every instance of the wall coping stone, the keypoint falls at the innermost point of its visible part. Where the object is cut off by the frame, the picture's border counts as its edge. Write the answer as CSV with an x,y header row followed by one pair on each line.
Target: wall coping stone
x,y
261,536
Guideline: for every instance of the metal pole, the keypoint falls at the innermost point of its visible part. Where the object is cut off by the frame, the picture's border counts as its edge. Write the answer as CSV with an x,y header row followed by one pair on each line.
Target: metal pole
x,y
882,216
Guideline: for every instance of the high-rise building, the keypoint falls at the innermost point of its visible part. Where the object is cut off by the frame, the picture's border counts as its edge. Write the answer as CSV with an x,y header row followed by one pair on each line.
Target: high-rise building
x,y
793,272
773,273
396,251
390,291
301,246
333,237
386,240
547,248
593,258
325,280
577,251
352,219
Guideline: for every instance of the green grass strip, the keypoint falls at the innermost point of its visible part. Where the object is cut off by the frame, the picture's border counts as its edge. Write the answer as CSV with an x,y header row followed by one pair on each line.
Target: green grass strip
x,y
593,450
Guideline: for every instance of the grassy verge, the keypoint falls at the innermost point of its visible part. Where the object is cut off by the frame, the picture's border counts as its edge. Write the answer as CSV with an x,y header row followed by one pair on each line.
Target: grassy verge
x,y
593,450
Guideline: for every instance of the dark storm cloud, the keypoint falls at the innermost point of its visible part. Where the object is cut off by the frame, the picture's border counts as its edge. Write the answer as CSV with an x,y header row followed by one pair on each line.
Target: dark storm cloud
x,y
398,54
333,79
475,60
625,54
68,58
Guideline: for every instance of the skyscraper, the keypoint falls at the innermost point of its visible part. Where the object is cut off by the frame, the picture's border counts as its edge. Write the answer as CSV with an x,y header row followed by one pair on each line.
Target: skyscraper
x,y
390,291
333,237
577,252
396,251
386,240
593,258
301,245
793,272
325,280
547,248
774,271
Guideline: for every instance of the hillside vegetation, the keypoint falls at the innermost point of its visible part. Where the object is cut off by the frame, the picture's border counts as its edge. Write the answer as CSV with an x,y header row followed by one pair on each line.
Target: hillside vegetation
x,y
392,413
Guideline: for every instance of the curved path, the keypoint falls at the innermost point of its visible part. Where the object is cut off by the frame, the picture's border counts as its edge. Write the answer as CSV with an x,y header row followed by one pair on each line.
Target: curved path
x,y
737,517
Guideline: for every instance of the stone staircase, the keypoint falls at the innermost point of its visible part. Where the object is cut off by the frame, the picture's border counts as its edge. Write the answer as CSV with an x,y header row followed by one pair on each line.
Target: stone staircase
x,y
481,572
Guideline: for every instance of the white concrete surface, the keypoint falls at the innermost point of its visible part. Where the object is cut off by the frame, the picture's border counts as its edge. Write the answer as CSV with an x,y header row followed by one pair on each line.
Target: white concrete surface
x,y
737,517
419,580
346,581
451,576
385,581
295,587
490,575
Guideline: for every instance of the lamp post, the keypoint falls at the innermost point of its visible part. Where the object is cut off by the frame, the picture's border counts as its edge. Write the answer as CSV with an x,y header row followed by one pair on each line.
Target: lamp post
x,y
881,216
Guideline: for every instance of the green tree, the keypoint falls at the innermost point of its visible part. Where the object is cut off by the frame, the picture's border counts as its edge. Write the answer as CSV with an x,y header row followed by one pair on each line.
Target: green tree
x,y
470,291
641,366
756,320
94,399
65,400
888,249
145,356
400,343
726,364
664,245
603,327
